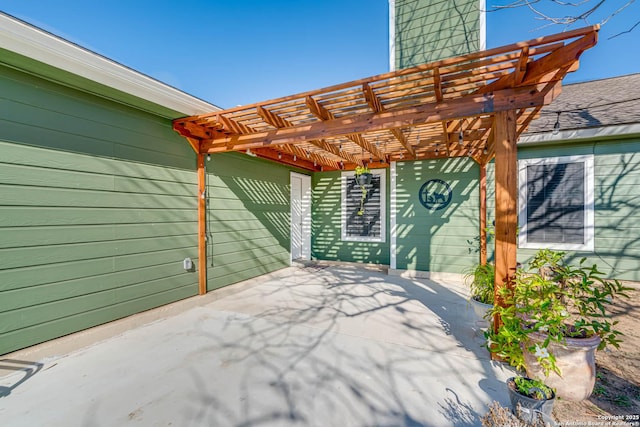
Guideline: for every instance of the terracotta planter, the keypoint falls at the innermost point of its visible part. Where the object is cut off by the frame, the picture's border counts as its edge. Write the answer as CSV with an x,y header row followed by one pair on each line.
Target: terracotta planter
x,y
530,409
577,361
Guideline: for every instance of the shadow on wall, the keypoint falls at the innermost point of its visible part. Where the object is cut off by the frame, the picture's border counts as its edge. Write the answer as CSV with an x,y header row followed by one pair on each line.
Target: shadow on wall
x,y
327,243
613,201
436,236
268,202
306,358
248,218
617,213
424,35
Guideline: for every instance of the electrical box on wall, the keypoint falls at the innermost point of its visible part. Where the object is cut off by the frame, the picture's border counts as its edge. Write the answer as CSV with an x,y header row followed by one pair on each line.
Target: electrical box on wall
x,y
187,264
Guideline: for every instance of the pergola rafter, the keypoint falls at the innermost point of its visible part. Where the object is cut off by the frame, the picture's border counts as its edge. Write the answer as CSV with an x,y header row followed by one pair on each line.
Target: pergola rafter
x,y
351,127
279,123
319,111
415,113
489,98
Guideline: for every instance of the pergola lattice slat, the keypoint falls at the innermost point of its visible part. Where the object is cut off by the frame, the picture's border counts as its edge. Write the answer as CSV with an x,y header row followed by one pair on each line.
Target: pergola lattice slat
x,y
489,97
459,108
345,121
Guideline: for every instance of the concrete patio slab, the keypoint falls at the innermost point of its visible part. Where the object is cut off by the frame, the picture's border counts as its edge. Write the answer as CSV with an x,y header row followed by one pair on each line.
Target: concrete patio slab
x,y
322,345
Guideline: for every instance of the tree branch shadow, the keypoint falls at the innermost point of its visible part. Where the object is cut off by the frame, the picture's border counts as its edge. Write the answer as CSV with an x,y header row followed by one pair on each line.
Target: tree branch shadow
x,y
297,362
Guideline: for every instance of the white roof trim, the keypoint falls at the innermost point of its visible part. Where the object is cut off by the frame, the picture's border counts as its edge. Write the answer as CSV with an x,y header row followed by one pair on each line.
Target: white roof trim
x,y
392,35
589,133
32,42
482,7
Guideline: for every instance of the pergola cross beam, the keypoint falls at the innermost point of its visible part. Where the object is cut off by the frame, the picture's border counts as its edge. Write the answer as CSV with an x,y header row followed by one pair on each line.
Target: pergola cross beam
x,y
280,123
377,107
459,108
494,94
400,110
325,115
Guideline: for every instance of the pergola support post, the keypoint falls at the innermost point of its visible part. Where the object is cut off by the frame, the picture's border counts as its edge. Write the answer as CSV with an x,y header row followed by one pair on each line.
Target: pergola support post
x,y
202,226
483,213
506,173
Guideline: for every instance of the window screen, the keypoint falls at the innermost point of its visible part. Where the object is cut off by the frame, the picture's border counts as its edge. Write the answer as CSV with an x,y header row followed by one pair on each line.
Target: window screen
x,y
556,203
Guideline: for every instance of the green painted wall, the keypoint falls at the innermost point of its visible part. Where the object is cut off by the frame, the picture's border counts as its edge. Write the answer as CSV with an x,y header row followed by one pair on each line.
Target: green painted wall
x,y
617,203
437,240
84,85
249,218
98,208
93,225
326,241
429,30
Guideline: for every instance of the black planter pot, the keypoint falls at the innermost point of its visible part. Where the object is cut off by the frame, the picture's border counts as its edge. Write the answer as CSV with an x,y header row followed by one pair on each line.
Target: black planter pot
x,y
530,408
364,179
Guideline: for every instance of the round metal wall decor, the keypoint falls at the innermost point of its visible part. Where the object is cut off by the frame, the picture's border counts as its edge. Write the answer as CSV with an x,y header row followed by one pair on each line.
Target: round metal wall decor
x,y
435,194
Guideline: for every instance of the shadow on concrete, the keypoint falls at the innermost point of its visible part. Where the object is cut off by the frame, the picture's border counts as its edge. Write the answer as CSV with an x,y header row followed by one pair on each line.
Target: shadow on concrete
x,y
343,344
29,369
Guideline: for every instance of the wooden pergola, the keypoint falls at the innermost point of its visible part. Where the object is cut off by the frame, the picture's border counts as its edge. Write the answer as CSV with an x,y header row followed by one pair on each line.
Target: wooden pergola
x,y
474,105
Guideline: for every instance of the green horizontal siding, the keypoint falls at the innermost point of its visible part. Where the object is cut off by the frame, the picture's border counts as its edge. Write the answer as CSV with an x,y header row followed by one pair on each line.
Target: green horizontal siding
x,y
97,211
36,305
43,113
248,218
36,216
327,243
19,195
70,80
429,30
27,336
439,240
38,255
16,237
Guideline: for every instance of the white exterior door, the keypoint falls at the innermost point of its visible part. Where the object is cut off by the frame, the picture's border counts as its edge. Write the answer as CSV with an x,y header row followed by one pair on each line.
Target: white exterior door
x,y
300,216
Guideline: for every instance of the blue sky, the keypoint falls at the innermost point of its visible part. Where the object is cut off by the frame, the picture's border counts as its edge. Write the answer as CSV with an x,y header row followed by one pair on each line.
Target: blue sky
x,y
236,52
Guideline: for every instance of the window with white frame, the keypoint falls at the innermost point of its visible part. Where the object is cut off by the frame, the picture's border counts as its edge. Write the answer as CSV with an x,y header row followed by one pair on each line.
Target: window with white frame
x,y
363,219
556,203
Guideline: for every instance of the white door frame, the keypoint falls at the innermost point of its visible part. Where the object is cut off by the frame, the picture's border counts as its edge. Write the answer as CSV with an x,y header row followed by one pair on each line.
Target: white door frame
x,y
301,231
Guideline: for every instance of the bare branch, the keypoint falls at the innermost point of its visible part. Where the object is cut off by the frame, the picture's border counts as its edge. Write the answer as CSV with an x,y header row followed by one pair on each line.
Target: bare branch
x,y
582,11
566,3
628,31
617,12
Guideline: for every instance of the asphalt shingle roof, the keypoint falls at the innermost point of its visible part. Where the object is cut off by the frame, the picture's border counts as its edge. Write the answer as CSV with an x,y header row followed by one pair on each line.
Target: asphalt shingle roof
x,y
592,104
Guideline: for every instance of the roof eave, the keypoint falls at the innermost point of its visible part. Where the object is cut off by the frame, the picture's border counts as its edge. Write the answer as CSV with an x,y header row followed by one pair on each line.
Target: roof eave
x,y
573,135
19,37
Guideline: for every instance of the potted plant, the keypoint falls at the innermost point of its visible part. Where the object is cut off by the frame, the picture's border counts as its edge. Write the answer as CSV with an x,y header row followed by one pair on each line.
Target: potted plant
x,y
480,279
363,175
529,398
554,319
499,416
363,179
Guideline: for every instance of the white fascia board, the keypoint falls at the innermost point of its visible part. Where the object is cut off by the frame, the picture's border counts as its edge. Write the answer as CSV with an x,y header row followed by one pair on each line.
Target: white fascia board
x,y
582,134
482,7
27,40
392,35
